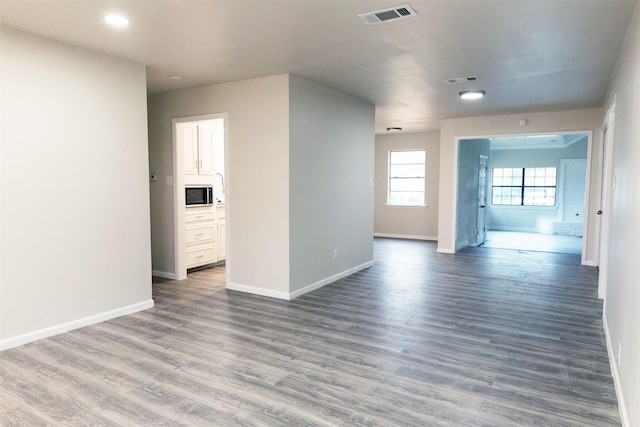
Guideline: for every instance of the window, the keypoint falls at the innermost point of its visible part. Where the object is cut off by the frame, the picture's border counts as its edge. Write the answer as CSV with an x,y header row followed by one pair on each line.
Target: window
x,y
524,186
406,178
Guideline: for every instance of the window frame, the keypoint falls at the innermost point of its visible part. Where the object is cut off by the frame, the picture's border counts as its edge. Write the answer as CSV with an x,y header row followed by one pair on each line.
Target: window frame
x,y
523,187
391,178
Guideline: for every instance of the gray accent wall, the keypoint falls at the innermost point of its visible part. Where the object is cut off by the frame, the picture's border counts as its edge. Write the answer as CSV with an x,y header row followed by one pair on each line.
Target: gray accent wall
x,y
331,159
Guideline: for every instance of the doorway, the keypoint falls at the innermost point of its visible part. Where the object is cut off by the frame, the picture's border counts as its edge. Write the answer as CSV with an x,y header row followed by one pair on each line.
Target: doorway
x,y
536,189
199,161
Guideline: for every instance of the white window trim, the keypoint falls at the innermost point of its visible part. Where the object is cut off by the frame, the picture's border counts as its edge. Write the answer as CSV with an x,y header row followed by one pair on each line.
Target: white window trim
x,y
421,206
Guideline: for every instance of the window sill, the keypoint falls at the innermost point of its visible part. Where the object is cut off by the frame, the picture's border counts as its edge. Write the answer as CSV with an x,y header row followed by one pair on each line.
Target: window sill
x,y
406,206
521,207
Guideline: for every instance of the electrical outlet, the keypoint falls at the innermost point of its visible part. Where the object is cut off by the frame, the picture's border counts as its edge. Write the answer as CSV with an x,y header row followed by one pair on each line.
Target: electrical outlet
x,y
618,354
335,254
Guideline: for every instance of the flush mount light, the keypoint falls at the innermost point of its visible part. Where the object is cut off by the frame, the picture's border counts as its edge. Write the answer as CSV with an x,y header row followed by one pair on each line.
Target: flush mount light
x,y
175,77
117,20
394,129
472,94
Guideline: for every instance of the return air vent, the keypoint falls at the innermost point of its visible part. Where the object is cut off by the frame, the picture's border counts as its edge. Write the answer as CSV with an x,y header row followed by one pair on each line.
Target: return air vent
x,y
386,15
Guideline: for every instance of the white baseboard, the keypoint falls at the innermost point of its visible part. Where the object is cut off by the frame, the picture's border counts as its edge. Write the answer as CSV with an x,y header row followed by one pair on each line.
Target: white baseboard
x,y
164,274
405,236
445,251
74,324
589,263
516,229
258,291
330,279
624,417
291,295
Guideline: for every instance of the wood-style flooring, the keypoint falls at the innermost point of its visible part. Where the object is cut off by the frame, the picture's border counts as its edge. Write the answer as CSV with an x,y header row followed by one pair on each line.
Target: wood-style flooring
x,y
486,337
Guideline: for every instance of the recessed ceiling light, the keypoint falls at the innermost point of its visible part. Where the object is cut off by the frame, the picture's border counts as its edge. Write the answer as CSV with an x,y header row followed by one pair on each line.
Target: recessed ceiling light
x,y
472,94
394,129
175,77
116,20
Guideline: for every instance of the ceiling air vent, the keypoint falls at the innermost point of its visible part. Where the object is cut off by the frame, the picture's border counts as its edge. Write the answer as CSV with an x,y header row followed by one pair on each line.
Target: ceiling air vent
x,y
456,80
386,15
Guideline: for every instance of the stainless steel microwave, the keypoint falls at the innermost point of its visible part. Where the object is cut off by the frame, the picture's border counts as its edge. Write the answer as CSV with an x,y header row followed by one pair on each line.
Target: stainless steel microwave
x,y
198,195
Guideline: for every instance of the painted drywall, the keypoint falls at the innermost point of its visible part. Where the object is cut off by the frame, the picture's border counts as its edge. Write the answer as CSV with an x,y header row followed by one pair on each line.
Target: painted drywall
x,y
75,205
257,176
467,198
622,300
570,121
400,221
523,218
331,159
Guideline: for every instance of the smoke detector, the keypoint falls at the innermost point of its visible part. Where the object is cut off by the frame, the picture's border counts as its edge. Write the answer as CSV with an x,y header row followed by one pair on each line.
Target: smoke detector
x,y
386,15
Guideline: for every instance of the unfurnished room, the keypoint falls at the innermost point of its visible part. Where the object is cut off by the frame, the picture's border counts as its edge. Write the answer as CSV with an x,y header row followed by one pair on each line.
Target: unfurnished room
x,y
319,213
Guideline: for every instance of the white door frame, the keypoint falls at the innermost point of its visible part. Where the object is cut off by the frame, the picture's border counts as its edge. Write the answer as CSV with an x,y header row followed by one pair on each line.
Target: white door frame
x,y
481,221
587,215
179,232
607,182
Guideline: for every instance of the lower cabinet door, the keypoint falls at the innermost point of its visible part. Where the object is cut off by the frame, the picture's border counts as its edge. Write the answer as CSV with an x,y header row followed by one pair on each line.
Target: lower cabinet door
x,y
200,256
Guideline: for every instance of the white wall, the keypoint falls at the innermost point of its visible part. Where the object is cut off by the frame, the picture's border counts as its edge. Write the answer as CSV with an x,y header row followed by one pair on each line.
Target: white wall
x,y
257,176
622,301
407,222
331,159
572,121
74,199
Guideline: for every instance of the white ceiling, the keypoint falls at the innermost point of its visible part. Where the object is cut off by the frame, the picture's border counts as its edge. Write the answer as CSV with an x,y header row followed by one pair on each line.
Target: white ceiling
x,y
529,55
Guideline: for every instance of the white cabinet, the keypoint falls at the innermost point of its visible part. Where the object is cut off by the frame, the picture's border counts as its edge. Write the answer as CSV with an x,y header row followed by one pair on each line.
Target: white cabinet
x,y
205,235
221,233
206,151
199,150
201,236
188,135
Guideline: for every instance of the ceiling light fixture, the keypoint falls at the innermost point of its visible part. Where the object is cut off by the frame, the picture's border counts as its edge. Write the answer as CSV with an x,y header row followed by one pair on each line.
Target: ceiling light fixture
x,y
472,94
116,20
175,77
394,129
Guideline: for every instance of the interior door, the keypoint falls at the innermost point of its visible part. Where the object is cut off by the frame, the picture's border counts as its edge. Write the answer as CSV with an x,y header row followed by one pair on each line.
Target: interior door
x,y
481,228
606,191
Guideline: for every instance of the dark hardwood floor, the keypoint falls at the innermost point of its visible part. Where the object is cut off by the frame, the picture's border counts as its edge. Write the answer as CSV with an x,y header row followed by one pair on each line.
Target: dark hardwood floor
x,y
486,337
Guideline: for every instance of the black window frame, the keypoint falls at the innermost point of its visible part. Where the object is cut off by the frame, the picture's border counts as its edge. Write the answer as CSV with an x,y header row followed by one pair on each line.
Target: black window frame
x,y
522,187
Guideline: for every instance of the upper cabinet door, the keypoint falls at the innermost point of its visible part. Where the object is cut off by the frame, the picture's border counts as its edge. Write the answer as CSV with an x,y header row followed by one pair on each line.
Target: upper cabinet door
x,y
189,134
206,150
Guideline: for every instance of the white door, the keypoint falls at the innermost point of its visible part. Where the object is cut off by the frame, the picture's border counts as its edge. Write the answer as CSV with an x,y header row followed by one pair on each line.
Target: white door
x,y
606,192
481,228
573,175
